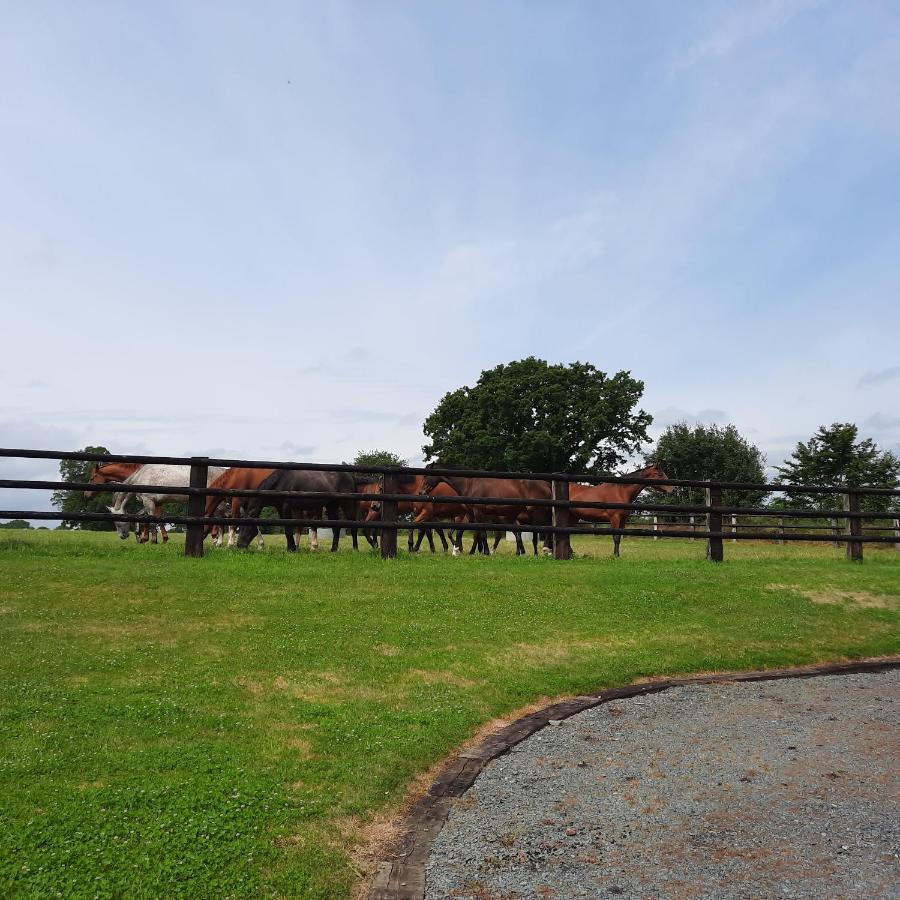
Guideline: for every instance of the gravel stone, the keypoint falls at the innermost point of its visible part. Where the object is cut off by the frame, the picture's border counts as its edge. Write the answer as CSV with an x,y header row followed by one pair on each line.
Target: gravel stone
x,y
739,790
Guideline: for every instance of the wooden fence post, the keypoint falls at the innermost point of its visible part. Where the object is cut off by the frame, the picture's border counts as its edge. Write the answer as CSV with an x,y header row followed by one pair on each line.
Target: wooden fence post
x,y
853,527
835,532
655,526
693,522
733,527
196,505
897,533
781,529
562,545
389,514
714,549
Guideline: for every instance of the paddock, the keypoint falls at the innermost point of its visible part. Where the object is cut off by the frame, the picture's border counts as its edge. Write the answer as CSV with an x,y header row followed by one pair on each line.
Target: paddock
x,y
248,722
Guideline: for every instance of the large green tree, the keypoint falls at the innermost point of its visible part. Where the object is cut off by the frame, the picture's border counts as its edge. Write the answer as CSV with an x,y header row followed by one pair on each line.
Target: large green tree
x,y
75,501
529,415
709,453
836,457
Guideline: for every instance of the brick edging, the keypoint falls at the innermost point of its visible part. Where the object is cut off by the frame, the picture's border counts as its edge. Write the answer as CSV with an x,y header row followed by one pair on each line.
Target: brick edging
x,y
403,877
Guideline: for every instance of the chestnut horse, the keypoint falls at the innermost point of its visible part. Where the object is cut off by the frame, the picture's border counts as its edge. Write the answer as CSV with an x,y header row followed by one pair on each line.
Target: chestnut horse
x,y
427,510
614,493
235,479
500,489
370,511
107,473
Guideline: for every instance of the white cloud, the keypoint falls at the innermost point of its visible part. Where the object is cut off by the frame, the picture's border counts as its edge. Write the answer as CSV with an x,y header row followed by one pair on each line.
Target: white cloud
x,y
741,22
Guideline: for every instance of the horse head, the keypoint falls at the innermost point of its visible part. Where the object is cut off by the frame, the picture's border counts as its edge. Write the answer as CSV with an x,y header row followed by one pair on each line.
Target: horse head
x,y
656,471
122,528
430,482
96,477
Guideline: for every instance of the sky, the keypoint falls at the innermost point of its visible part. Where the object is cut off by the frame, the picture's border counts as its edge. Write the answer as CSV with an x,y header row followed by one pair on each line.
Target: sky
x,y
286,230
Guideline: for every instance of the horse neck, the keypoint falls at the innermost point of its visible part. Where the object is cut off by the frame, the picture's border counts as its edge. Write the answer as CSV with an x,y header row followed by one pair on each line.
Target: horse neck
x,y
458,484
632,490
117,471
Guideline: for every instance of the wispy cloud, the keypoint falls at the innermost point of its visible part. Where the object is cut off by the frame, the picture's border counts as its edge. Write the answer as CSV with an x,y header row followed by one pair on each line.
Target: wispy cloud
x,y
879,377
879,423
740,23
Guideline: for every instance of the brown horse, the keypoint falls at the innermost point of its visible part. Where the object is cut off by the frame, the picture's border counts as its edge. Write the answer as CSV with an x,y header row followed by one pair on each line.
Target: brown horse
x,y
236,479
370,510
107,473
500,489
429,511
614,493
114,473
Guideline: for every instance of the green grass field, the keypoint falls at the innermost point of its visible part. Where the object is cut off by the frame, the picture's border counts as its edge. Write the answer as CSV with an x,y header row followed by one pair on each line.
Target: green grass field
x,y
225,727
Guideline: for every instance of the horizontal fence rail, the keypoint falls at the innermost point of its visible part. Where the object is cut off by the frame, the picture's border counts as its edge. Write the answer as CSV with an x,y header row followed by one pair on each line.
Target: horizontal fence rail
x,y
228,493
549,517
745,486
359,525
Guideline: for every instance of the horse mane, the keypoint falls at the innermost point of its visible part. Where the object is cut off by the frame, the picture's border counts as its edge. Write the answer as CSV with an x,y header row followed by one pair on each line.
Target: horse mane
x,y
636,473
367,479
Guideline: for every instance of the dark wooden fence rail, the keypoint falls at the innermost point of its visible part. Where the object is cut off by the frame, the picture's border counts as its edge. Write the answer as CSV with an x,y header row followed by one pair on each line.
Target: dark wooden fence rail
x,y
561,526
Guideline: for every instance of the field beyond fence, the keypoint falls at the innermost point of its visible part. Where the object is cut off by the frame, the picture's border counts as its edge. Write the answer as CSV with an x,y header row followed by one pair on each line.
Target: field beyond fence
x,y
858,526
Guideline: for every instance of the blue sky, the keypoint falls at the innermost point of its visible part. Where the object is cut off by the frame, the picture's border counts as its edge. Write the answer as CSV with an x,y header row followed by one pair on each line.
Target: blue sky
x,y
283,198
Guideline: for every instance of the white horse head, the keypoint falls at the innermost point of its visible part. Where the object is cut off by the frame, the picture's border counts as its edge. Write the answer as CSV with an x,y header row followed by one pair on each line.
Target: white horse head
x,y
122,528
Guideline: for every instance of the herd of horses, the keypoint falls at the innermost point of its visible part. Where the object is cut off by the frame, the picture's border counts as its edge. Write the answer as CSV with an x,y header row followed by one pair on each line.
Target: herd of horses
x,y
433,510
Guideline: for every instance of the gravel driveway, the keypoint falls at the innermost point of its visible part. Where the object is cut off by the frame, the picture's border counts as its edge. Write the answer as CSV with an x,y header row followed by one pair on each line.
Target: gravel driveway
x,y
766,789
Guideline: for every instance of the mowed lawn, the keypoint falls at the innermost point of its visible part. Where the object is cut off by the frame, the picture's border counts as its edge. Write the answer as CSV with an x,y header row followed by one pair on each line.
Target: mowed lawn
x,y
226,727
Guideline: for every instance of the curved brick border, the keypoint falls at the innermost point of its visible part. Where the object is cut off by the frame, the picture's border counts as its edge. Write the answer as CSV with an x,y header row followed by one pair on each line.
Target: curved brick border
x,y
403,878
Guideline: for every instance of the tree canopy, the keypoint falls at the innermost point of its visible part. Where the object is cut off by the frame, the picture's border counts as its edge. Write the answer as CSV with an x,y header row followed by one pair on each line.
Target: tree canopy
x,y
709,453
379,458
16,524
835,457
75,501
529,415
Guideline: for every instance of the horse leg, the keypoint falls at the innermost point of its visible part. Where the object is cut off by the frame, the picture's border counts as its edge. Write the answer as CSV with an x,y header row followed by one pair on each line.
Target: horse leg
x,y
333,511
158,511
313,539
617,538
288,512
498,536
459,539
430,537
520,547
440,534
233,509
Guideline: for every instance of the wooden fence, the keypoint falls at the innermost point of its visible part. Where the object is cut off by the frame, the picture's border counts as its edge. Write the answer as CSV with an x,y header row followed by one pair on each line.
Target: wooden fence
x,y
714,514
